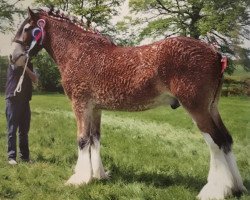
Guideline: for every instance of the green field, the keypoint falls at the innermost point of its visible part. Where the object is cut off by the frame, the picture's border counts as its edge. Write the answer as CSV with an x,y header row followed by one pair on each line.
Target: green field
x,y
157,154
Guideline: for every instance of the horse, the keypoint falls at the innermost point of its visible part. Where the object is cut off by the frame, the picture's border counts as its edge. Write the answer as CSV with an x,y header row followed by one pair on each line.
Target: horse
x,y
99,75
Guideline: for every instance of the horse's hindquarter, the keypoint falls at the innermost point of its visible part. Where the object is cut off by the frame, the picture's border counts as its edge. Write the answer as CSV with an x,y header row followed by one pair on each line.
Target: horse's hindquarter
x,y
191,68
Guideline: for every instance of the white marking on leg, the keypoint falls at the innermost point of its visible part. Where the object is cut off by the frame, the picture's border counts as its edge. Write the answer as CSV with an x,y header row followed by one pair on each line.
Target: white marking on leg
x,y
83,168
230,158
220,179
98,170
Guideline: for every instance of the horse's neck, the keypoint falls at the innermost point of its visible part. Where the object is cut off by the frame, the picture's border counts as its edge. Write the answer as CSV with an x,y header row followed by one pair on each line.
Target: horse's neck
x,y
67,42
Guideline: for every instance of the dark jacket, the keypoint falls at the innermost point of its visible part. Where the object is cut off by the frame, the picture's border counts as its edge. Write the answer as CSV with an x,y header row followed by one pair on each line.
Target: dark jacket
x,y
13,76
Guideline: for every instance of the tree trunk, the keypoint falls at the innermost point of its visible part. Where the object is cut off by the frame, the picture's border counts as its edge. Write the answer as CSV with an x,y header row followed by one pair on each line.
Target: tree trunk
x,y
195,17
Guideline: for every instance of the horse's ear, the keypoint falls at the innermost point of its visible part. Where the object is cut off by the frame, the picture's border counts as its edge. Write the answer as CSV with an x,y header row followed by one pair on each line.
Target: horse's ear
x,y
31,14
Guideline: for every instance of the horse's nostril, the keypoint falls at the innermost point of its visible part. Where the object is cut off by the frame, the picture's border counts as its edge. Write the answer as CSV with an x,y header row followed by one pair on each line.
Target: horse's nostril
x,y
10,59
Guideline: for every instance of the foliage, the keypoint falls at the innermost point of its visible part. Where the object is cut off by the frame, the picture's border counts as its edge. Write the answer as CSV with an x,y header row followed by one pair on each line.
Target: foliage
x,y
126,35
224,22
49,76
158,154
232,87
194,18
244,54
7,11
97,12
4,62
237,84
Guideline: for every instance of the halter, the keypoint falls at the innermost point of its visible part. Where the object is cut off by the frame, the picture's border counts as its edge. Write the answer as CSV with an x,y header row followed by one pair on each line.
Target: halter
x,y
37,34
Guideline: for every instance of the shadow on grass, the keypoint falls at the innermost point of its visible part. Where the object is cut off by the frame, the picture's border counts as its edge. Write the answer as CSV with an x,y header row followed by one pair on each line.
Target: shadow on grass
x,y
247,185
155,179
163,180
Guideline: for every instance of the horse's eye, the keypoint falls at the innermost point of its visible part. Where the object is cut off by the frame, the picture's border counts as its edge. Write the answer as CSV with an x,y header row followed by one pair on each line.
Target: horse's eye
x,y
27,28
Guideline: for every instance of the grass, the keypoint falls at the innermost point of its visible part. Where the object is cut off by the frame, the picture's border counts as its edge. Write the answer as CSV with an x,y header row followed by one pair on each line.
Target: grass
x,y
239,74
156,154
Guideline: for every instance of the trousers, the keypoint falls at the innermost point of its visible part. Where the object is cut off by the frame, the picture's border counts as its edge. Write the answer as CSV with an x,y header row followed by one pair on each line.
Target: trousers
x,y
18,118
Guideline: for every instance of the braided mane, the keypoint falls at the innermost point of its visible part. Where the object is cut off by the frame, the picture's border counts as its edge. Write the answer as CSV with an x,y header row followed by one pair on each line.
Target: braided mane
x,y
78,21
65,16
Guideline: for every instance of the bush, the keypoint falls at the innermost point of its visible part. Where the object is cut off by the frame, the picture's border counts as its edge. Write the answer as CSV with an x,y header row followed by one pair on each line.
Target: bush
x,y
49,76
235,87
4,63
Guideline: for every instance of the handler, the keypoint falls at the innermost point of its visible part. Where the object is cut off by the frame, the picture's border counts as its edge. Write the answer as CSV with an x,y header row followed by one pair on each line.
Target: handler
x,y
18,111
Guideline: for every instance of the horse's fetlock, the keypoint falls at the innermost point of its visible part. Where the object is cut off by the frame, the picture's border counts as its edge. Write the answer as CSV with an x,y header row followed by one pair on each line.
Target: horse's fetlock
x,y
226,147
83,142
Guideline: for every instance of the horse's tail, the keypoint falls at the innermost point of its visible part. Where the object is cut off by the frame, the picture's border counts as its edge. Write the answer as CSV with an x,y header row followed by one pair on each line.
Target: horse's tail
x,y
222,65
214,106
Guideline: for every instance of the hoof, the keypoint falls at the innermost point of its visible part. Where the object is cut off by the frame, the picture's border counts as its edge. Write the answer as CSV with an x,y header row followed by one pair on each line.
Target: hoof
x,y
103,176
240,191
78,179
214,192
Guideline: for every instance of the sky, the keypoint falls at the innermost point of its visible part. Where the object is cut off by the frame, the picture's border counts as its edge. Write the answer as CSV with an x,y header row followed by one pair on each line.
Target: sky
x,y
6,46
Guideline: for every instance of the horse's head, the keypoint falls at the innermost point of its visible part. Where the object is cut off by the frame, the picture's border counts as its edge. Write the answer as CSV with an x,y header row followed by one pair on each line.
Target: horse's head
x,y
29,39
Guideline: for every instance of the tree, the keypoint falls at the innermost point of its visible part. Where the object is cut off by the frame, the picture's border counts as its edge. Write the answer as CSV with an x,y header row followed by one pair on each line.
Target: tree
x,y
7,11
225,21
48,73
4,63
126,34
97,12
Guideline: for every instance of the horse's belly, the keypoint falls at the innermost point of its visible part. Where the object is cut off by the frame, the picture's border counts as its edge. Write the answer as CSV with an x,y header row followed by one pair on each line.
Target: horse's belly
x,y
134,103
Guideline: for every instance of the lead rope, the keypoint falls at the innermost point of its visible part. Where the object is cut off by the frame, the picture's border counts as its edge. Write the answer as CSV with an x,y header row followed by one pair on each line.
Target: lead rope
x,y
41,24
19,84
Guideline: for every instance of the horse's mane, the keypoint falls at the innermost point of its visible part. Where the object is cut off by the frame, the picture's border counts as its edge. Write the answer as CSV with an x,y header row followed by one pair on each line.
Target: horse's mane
x,y
78,21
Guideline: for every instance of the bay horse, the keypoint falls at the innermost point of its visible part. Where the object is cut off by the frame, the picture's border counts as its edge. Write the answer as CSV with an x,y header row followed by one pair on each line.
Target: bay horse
x,y
98,75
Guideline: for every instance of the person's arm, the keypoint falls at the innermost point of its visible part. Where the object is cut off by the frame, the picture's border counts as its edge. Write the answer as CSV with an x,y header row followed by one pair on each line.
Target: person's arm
x,y
32,75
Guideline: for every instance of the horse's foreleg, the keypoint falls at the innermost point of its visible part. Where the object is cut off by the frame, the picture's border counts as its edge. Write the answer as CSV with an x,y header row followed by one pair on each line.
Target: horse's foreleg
x,y
97,166
83,168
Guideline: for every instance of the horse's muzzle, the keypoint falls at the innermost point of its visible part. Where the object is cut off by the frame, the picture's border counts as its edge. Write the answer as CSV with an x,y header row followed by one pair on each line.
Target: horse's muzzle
x,y
18,61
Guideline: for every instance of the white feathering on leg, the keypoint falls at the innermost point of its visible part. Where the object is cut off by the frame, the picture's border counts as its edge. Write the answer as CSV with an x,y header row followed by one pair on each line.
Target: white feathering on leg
x,y
230,158
83,168
221,177
98,170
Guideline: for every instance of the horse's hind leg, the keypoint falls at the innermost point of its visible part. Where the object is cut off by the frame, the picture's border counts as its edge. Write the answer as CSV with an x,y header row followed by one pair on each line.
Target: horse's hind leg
x,y
97,166
238,184
223,178
83,168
